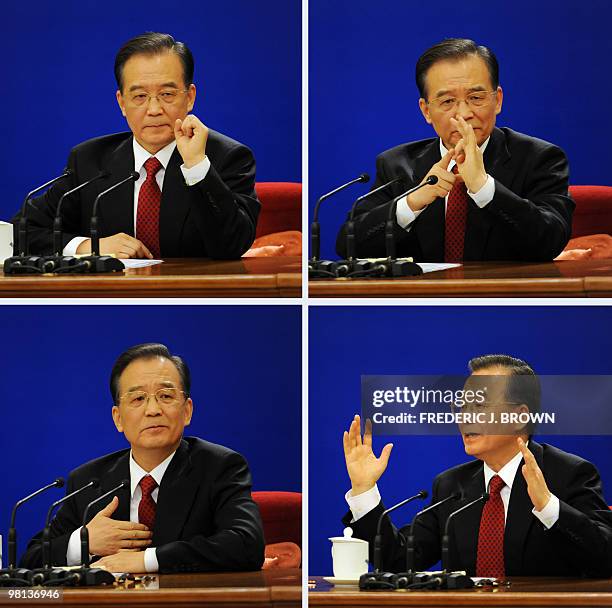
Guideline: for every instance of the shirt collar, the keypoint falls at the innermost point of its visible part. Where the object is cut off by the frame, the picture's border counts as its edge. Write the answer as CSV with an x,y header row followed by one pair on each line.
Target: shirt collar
x,y
452,163
507,472
137,472
141,155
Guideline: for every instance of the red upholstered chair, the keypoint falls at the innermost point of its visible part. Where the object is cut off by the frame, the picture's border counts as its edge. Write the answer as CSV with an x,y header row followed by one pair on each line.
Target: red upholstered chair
x,y
281,515
591,225
593,213
280,220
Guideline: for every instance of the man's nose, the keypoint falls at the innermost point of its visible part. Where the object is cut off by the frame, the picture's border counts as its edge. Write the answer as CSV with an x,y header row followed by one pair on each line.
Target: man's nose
x,y
464,109
154,106
152,408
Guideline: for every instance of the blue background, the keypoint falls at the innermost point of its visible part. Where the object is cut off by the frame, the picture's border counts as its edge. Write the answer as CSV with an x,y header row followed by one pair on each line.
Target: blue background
x,y
245,363
554,66
347,342
59,87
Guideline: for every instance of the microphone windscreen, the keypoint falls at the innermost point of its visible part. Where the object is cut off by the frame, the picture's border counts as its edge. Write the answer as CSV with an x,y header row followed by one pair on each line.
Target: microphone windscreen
x,y
59,482
135,175
95,483
432,179
364,177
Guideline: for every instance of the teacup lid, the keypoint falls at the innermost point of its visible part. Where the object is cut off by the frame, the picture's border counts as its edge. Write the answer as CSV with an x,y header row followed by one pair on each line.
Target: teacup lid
x,y
347,538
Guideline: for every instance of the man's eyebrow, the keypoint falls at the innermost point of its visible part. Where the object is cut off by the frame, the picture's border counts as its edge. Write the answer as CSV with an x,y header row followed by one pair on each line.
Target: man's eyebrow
x,y
475,88
140,387
170,84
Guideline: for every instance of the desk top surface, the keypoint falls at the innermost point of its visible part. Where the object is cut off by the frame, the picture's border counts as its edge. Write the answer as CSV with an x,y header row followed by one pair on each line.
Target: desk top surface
x,y
522,591
263,588
248,277
483,279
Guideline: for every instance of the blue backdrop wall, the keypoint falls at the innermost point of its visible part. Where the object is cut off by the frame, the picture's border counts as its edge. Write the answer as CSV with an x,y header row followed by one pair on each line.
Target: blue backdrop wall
x,y
59,87
363,100
246,378
347,342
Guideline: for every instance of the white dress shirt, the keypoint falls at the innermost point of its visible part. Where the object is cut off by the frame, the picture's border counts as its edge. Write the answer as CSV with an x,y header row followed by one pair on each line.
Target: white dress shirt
x,y
73,554
363,503
405,215
192,176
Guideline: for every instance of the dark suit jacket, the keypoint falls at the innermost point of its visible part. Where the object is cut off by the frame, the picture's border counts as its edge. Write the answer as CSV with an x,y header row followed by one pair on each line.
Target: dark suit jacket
x,y
579,543
529,218
215,218
205,518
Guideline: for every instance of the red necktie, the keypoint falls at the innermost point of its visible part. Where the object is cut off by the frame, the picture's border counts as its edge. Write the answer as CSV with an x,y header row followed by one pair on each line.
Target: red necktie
x,y
456,214
147,506
149,200
490,558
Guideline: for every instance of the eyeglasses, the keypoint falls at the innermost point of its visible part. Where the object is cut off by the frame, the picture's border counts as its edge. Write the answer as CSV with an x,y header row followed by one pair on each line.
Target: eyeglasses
x,y
166,397
167,97
478,99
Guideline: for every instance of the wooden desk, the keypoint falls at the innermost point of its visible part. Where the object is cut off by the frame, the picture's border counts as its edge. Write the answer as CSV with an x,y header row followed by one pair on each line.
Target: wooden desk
x,y
521,592
588,278
177,278
278,588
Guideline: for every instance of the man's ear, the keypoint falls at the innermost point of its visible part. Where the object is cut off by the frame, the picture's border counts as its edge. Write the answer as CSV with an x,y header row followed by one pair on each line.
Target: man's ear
x,y
191,97
424,110
499,98
188,411
117,418
120,102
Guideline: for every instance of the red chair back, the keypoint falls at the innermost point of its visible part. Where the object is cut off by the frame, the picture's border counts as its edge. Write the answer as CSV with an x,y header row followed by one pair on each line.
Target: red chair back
x,y
593,213
281,207
281,514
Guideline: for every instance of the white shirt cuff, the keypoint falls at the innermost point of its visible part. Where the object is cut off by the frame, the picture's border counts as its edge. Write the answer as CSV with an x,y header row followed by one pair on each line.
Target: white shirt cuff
x,y
363,503
404,214
195,174
549,515
485,195
150,560
73,553
72,246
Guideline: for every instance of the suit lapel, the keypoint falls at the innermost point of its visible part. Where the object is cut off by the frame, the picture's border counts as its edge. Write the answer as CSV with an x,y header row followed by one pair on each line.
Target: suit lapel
x,y
428,224
467,523
116,209
113,477
520,518
176,494
496,157
174,207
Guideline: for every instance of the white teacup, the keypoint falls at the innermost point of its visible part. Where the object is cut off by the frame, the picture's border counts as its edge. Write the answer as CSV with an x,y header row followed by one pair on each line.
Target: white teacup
x,y
349,555
6,241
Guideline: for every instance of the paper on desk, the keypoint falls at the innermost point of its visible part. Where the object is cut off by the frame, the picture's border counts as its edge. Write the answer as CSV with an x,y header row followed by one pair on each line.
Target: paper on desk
x,y
138,263
433,266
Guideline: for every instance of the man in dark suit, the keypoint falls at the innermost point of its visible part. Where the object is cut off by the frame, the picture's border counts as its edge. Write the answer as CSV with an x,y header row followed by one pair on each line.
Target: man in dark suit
x,y
189,506
500,195
548,519
195,195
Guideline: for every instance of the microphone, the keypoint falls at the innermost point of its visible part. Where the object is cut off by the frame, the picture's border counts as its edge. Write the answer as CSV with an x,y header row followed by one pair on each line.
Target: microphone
x,y
96,262
85,532
46,542
315,228
57,222
23,220
389,238
20,262
12,535
482,498
410,539
378,538
350,224
95,238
